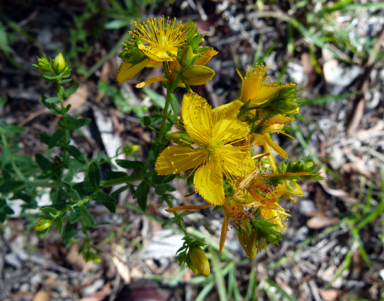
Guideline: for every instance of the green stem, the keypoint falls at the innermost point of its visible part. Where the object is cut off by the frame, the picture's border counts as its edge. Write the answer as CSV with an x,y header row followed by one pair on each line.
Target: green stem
x,y
177,217
123,180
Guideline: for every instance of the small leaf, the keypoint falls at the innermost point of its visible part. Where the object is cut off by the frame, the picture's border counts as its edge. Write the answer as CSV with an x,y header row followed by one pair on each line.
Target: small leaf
x,y
53,99
174,104
163,188
86,216
43,162
74,123
142,195
117,24
115,174
150,120
75,153
106,200
55,138
13,129
74,217
156,179
136,165
3,100
71,90
94,175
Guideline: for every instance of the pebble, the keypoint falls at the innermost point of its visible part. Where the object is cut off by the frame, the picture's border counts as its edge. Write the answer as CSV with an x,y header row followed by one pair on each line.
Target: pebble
x,y
97,285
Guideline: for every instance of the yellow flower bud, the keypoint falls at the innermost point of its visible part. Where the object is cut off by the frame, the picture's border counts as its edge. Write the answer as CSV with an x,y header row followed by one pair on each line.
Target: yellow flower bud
x,y
199,261
59,64
130,150
197,75
248,242
180,138
185,56
43,224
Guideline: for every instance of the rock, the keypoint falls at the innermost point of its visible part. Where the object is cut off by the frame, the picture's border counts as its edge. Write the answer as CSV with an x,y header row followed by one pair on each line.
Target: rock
x,y
97,285
164,240
306,206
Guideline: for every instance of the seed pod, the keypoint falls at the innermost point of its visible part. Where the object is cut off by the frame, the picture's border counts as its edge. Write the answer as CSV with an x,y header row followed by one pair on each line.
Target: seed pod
x,y
248,242
199,261
197,75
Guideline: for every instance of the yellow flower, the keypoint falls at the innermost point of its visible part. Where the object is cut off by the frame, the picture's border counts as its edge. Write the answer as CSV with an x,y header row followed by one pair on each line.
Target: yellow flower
x,y
213,154
255,87
162,38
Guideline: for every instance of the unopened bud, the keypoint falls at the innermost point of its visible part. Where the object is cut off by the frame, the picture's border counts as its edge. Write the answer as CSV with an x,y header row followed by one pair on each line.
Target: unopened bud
x,y
43,64
293,188
248,242
59,64
199,261
185,56
43,224
180,138
131,149
197,75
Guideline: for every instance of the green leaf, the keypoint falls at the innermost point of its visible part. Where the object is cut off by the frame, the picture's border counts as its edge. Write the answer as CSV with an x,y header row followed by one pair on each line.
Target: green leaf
x,y
3,40
60,223
115,174
53,108
106,200
75,153
87,217
163,188
71,90
136,165
117,24
168,222
174,104
156,98
84,188
55,138
120,190
74,217
44,138
3,99
13,129
150,120
157,179
94,175
43,162
142,195
74,123
53,99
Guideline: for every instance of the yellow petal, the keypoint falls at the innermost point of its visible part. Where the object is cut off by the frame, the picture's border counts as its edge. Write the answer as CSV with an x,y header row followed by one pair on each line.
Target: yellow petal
x,y
277,192
275,146
228,130
254,78
209,182
128,70
229,110
150,81
184,208
236,161
206,56
176,159
197,118
266,92
156,54
279,119
224,231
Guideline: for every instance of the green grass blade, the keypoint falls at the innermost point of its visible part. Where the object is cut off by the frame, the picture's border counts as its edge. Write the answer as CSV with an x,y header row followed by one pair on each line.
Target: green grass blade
x,y
280,290
205,291
325,98
251,285
218,275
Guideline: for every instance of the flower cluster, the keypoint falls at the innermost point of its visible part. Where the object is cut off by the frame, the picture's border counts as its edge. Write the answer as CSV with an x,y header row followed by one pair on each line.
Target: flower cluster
x,y
214,147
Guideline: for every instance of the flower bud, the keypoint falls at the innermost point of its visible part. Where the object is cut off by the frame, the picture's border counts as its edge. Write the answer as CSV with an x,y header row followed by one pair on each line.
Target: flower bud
x,y
180,138
199,261
131,149
197,75
185,56
248,242
43,224
43,64
59,64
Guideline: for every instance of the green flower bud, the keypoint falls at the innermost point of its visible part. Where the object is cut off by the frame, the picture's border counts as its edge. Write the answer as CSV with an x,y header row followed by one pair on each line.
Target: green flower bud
x,y
131,149
180,138
59,64
197,75
199,261
185,56
43,64
91,256
248,242
43,224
